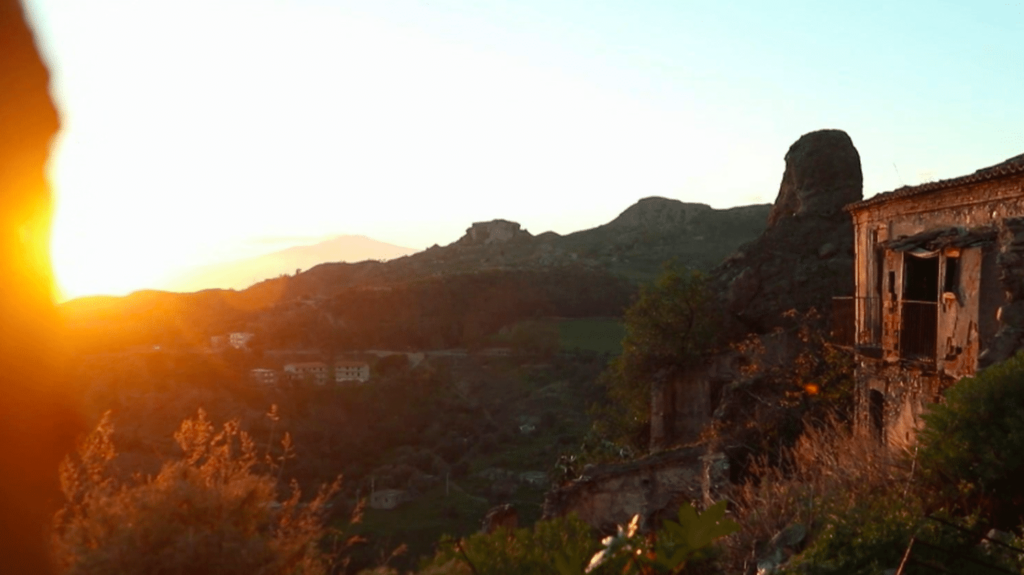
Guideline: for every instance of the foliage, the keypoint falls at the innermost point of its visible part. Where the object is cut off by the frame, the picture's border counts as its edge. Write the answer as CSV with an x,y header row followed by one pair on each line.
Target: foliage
x,y
529,551
215,509
867,538
791,381
669,550
599,335
972,447
690,538
672,325
535,337
564,547
828,471
882,534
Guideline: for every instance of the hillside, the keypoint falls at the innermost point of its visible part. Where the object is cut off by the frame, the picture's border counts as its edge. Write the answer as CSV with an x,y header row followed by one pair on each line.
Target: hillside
x,y
496,275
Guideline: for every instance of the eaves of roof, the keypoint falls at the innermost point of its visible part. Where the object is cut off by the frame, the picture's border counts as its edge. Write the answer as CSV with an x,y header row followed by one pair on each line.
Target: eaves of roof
x,y
1013,166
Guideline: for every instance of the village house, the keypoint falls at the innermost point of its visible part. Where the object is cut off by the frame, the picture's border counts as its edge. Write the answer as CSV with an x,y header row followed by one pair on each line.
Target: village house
x,y
240,339
387,498
351,371
938,295
315,371
263,376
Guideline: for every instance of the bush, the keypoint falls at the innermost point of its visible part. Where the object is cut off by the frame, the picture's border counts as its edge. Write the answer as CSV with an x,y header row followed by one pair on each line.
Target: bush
x,y
211,511
972,446
533,551
828,479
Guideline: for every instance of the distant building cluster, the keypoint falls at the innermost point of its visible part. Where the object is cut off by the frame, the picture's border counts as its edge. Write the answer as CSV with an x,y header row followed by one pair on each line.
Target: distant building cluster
x,y
236,340
316,372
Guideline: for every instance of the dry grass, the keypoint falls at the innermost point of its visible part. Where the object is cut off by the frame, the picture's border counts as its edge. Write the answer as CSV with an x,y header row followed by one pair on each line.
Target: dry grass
x,y
828,470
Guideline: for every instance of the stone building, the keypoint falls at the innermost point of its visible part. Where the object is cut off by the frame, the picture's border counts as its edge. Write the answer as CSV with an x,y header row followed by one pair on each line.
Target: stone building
x,y
263,376
351,371
939,292
387,498
315,371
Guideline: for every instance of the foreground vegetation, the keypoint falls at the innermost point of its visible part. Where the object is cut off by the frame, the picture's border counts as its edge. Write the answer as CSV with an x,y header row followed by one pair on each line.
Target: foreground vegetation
x,y
810,496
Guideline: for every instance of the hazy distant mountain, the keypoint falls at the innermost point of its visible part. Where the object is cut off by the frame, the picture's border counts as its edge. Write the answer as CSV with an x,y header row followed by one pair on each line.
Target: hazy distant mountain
x,y
244,273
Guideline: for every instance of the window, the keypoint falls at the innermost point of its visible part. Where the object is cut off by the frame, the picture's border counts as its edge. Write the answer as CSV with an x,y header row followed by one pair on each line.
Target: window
x,y
952,279
921,278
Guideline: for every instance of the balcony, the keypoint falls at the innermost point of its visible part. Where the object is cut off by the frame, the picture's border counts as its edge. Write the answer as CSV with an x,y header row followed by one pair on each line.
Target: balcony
x,y
847,331
918,329
843,328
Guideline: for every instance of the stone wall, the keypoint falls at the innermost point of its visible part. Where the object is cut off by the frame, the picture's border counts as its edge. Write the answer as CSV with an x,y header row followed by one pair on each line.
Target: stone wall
x,y
1009,339
905,393
653,487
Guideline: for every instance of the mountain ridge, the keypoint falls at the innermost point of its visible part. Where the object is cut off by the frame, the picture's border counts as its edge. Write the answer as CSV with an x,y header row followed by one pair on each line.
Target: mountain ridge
x,y
495,275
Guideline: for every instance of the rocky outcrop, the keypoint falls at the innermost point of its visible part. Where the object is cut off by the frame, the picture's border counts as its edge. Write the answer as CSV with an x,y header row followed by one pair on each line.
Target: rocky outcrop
x,y
803,258
493,232
805,255
634,244
656,214
822,175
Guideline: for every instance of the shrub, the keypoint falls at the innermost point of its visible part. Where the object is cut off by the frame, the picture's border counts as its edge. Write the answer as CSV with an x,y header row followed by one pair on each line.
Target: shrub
x,y
211,511
972,446
528,551
823,480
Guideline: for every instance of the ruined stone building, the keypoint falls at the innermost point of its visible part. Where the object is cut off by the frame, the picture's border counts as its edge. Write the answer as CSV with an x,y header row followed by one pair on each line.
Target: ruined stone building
x,y
939,292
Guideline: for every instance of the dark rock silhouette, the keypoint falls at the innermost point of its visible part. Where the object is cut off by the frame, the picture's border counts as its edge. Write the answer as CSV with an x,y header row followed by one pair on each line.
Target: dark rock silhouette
x,y
805,255
36,426
822,175
493,232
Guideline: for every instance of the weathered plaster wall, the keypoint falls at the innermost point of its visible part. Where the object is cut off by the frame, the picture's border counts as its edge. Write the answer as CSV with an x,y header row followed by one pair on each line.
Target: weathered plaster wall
x,y
982,323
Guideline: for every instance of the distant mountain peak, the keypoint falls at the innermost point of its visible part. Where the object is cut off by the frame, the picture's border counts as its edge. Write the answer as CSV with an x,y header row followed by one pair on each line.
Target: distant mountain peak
x,y
656,213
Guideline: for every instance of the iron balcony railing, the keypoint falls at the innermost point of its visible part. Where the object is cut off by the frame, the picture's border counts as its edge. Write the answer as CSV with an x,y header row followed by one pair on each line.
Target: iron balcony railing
x,y
846,330
871,322
918,329
843,330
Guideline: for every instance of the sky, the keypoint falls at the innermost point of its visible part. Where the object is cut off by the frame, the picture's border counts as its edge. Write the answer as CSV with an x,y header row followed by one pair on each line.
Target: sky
x,y
202,131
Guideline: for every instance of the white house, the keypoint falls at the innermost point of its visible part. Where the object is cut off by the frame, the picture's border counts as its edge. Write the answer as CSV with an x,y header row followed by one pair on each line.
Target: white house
x,y
351,371
316,370
240,339
263,376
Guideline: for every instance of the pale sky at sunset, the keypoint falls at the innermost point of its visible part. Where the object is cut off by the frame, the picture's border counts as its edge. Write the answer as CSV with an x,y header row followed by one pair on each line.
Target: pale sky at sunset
x,y
198,131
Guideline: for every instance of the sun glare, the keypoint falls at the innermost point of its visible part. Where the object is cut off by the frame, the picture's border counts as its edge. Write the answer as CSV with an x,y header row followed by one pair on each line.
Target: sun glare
x,y
92,255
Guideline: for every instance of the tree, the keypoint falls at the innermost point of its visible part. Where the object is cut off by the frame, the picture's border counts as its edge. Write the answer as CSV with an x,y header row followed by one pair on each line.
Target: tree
x,y
671,326
211,511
